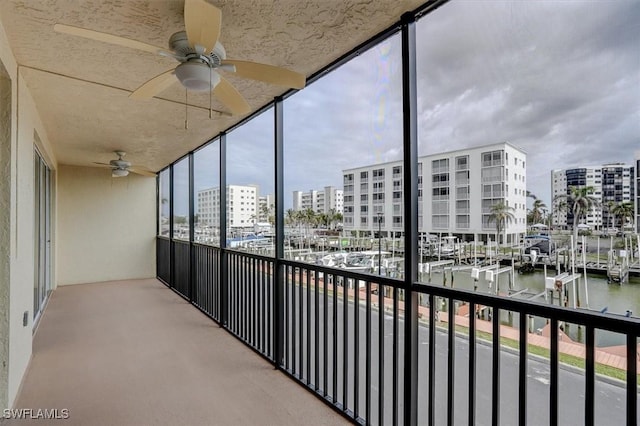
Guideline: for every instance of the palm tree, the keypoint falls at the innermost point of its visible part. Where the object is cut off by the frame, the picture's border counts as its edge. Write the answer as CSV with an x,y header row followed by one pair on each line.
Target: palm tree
x,y
308,217
333,217
559,207
536,210
608,207
579,201
501,214
623,211
337,218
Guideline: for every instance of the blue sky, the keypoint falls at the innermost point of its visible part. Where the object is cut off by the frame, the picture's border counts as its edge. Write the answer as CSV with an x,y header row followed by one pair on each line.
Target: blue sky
x,y
559,79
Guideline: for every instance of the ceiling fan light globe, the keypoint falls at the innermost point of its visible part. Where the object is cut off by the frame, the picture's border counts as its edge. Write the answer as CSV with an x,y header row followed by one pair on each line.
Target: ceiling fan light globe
x,y
119,173
197,76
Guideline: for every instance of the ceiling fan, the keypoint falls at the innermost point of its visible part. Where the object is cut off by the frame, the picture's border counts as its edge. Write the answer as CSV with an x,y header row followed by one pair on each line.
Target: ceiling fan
x,y
120,167
201,56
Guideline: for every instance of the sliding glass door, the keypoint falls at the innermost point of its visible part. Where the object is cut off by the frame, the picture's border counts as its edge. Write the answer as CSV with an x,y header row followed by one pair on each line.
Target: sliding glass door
x,y
42,234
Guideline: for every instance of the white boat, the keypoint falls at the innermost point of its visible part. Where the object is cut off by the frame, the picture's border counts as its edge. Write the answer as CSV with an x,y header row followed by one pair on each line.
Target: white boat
x,y
333,259
364,261
449,246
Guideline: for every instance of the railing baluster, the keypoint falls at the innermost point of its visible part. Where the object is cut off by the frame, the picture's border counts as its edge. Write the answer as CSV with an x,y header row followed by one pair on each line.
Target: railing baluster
x,y
589,394
215,280
242,279
335,337
270,314
356,347
308,279
255,302
246,302
286,316
495,370
432,360
368,353
345,343
553,374
325,340
301,325
472,364
522,370
261,316
316,335
255,297
237,279
380,354
249,298
395,373
632,379
231,293
451,362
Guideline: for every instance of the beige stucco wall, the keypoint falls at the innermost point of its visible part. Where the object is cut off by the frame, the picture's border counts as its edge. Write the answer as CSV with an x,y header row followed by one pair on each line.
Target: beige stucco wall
x,y
5,229
19,244
106,226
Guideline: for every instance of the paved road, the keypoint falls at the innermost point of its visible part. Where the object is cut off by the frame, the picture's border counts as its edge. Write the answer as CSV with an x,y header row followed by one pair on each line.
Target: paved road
x,y
610,399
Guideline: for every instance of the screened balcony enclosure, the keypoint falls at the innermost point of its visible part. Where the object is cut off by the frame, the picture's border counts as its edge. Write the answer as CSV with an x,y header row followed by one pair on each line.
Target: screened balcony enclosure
x,y
363,240
393,342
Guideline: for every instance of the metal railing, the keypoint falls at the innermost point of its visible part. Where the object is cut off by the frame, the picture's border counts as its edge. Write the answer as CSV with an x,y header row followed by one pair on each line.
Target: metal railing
x,y
340,334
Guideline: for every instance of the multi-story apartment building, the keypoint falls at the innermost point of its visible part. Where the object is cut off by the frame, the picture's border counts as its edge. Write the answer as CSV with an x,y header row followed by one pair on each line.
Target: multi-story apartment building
x,y
266,207
320,201
242,206
456,191
612,184
638,192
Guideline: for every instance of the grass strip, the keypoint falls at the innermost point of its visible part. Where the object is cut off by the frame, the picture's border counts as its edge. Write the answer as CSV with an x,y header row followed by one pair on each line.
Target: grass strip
x,y
574,361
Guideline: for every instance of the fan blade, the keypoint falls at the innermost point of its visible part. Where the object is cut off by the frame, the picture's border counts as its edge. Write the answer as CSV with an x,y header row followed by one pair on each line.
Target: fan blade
x,y
202,22
142,172
103,164
106,38
229,96
267,73
155,85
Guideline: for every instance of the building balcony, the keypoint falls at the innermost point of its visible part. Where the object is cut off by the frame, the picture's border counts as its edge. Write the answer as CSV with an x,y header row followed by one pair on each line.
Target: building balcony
x,y
136,352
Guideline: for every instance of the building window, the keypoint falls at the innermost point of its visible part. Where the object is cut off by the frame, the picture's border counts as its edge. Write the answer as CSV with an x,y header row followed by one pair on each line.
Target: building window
x,y
462,163
440,222
462,221
440,166
440,193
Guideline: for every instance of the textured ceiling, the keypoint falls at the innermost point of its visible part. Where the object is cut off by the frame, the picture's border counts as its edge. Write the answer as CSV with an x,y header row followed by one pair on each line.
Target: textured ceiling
x,y
81,86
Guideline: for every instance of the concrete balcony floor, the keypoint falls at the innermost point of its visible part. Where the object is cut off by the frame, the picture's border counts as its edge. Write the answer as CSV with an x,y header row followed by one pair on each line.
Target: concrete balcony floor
x,y
135,353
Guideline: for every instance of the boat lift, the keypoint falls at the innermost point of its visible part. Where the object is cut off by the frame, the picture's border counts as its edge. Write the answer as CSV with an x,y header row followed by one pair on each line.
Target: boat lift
x,y
559,283
491,274
618,266
437,266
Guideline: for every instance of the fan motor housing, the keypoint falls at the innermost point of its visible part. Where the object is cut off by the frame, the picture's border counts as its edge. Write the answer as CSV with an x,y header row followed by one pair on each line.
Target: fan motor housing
x,y
179,43
197,76
120,164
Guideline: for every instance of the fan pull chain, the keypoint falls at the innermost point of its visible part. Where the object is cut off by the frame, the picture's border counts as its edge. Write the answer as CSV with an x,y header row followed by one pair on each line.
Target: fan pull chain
x,y
186,109
210,90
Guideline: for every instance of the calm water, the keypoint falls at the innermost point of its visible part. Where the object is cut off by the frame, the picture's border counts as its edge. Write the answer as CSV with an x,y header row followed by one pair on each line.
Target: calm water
x,y
617,298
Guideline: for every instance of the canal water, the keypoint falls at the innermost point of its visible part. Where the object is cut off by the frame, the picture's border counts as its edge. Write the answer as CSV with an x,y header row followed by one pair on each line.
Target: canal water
x,y
616,299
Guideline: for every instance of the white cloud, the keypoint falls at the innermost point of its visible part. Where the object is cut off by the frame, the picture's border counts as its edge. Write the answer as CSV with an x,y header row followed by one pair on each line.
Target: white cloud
x,y
559,79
